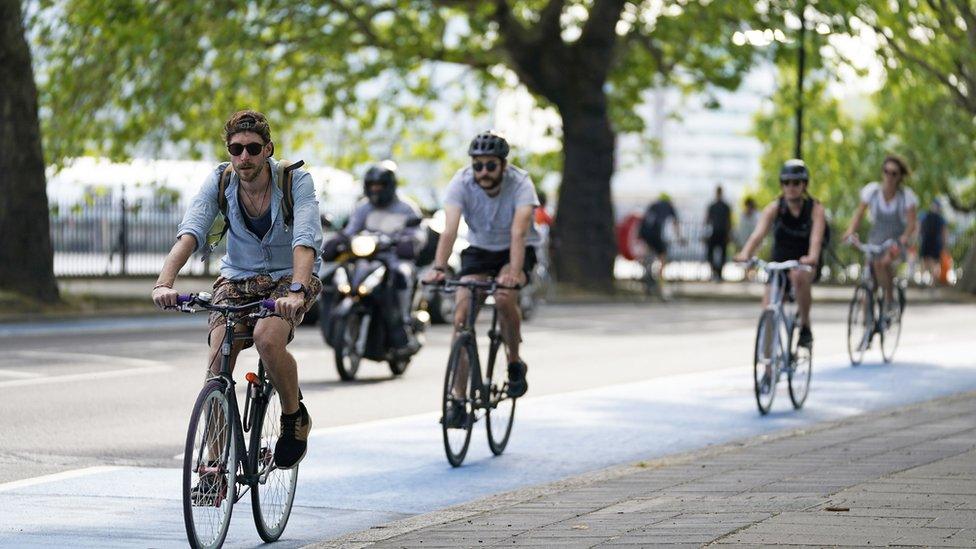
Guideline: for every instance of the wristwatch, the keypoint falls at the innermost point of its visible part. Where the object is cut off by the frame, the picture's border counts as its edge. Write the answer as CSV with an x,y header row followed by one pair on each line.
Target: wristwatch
x,y
298,287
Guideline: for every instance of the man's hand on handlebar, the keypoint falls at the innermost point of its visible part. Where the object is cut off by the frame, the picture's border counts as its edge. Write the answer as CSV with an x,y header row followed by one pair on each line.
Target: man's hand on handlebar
x,y
511,281
290,305
164,297
435,275
810,260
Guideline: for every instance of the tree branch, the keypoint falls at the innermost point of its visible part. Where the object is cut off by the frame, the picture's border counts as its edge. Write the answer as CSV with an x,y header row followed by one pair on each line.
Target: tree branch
x,y
601,26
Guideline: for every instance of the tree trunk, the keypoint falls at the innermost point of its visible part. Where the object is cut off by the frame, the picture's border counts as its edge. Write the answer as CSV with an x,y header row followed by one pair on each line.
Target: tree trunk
x,y
26,256
968,281
584,229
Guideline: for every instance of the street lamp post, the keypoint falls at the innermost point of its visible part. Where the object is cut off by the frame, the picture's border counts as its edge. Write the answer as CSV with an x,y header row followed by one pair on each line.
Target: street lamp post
x,y
801,59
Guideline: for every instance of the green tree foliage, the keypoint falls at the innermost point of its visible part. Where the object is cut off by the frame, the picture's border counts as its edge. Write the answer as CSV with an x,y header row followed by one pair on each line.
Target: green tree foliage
x,y
126,76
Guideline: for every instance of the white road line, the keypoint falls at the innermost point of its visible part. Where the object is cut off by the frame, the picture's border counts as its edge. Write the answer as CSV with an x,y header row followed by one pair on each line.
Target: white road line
x,y
18,375
54,477
144,366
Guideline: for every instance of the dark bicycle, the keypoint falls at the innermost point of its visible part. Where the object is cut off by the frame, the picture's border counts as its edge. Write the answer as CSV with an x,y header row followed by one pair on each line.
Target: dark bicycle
x,y
464,386
216,459
867,315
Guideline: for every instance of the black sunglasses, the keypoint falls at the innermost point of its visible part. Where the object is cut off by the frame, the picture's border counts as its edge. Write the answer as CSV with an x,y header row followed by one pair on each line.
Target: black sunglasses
x,y
892,173
791,182
253,149
478,166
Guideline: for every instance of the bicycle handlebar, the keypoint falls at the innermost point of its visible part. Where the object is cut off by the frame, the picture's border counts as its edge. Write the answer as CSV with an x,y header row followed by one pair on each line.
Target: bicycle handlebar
x,y
873,249
184,301
491,286
778,265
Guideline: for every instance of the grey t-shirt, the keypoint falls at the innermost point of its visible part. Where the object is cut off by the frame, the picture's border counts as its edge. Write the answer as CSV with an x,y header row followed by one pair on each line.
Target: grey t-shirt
x,y
489,218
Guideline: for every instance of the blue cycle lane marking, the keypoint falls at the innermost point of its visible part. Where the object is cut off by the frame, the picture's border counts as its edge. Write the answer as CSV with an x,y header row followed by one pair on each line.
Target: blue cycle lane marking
x,y
362,475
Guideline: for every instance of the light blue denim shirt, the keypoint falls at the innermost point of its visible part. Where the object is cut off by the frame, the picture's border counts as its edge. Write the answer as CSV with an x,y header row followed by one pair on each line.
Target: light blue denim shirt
x,y
247,255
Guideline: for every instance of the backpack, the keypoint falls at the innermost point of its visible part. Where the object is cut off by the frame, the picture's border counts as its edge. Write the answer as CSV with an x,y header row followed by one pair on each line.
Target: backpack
x,y
222,223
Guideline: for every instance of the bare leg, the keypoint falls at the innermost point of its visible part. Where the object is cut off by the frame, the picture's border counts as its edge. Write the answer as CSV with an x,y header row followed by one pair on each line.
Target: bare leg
x,y
270,338
462,304
506,302
803,281
884,269
216,341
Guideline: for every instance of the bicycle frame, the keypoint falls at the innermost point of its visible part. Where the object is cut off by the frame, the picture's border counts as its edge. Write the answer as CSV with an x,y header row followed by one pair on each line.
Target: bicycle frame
x,y
479,391
778,306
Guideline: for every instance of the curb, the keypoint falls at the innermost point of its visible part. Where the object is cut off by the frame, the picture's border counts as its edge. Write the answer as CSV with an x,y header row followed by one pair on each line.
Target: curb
x,y
390,530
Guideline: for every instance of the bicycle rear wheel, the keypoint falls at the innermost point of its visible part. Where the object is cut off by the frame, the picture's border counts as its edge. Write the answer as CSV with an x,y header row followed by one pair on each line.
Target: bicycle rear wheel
x,y
802,369
209,468
764,363
273,493
457,437
891,321
501,408
860,324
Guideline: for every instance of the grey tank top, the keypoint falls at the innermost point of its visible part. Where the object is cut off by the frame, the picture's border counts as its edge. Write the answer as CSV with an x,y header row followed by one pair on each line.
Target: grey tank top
x,y
887,225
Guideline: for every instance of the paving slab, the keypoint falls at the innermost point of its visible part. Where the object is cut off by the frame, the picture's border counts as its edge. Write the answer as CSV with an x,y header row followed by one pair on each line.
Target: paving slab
x,y
905,476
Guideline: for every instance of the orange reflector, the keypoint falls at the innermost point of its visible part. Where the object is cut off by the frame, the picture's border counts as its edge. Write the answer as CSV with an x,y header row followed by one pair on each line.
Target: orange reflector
x,y
252,378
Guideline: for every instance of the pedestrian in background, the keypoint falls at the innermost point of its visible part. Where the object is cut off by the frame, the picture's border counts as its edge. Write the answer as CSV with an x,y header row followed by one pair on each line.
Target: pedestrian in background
x,y
652,232
933,234
718,219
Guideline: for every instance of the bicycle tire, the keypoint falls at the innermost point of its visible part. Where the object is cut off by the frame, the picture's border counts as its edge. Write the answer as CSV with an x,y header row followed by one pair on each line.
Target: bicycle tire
x,y
346,361
273,492
764,377
500,411
860,324
891,333
801,370
206,513
457,439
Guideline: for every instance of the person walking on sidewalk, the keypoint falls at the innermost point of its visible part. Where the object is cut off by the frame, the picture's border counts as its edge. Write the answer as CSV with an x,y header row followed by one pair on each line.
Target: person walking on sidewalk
x,y
718,220
892,208
266,258
497,201
798,224
933,234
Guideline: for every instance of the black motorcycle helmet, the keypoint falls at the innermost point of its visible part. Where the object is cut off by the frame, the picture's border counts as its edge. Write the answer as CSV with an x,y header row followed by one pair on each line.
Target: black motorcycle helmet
x,y
489,143
794,170
384,173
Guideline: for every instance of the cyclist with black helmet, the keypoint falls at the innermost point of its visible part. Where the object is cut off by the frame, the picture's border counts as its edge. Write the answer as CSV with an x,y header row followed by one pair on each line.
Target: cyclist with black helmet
x,y
383,211
497,201
798,223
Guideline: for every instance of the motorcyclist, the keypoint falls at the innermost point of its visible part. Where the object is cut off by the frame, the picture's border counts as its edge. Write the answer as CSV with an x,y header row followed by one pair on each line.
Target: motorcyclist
x,y
383,211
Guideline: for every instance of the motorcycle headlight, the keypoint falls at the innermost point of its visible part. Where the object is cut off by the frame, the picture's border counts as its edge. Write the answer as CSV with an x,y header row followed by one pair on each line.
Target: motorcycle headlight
x,y
363,246
341,280
372,281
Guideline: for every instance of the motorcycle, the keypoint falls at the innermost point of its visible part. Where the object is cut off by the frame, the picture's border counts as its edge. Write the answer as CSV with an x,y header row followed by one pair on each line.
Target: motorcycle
x,y
354,325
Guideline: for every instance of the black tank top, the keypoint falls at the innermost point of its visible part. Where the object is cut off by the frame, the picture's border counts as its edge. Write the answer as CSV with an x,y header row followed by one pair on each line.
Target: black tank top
x,y
791,234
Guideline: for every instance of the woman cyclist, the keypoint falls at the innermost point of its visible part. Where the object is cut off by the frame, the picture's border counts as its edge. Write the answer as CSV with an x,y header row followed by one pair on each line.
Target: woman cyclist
x,y
798,223
892,208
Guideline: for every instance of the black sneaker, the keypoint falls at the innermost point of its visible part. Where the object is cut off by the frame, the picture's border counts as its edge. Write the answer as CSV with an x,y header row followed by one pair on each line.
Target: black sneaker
x,y
806,337
211,487
517,385
293,442
456,417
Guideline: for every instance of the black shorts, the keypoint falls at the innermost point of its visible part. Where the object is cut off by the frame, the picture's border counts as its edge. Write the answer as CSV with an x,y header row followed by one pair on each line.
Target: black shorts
x,y
931,251
657,245
480,261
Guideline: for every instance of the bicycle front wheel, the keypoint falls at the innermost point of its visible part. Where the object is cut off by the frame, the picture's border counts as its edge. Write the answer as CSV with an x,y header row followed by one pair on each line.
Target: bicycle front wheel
x,y
891,322
347,358
274,489
457,410
764,367
501,407
801,370
860,324
209,468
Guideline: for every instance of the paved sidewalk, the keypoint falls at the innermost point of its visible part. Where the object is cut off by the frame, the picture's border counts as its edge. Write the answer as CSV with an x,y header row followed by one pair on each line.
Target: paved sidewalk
x,y
901,477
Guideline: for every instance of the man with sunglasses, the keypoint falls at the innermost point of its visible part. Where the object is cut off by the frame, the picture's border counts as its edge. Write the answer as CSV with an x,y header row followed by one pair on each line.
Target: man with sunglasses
x,y
497,201
266,258
798,223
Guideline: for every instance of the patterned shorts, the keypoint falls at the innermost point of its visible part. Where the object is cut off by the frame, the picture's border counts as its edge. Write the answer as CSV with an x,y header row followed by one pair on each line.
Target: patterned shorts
x,y
247,290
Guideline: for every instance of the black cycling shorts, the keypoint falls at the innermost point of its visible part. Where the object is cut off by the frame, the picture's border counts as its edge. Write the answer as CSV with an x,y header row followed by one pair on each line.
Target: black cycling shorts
x,y
476,261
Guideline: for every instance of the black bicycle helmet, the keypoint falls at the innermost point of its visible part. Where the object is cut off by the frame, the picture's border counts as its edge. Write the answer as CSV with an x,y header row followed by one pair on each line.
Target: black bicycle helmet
x,y
794,169
489,143
384,173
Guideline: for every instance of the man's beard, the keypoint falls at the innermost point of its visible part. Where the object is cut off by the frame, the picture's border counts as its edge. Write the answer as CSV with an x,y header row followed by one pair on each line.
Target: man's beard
x,y
494,184
248,171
